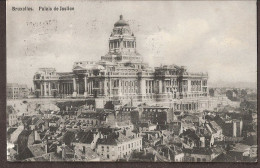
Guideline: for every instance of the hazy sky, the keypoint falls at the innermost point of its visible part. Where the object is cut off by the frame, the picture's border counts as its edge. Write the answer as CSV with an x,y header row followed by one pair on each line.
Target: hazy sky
x,y
217,37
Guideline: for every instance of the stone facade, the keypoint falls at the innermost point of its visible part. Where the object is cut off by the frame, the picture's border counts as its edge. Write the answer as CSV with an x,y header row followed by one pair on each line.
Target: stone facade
x,y
121,75
16,91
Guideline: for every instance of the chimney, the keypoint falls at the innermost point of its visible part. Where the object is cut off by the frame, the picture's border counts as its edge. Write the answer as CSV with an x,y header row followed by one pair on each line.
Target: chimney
x,y
63,153
84,149
149,137
155,158
43,127
169,156
241,127
35,135
234,129
46,147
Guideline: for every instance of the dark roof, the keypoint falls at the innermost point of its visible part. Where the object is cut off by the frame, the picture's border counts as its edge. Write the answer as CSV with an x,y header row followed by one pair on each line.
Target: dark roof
x,y
201,151
175,128
11,130
121,22
193,118
84,137
110,140
191,134
94,115
107,141
68,137
37,149
141,156
53,129
9,109
177,112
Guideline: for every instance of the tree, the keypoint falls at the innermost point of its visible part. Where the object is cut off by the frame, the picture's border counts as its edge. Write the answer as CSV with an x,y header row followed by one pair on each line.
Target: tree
x,y
243,93
229,94
211,92
109,105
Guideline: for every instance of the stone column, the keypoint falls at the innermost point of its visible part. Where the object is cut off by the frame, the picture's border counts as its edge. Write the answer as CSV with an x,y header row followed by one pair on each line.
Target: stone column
x,y
92,87
100,86
201,85
88,88
67,88
105,86
234,129
45,93
41,89
63,88
164,86
49,88
110,87
35,87
119,87
58,88
160,86
189,86
74,88
85,86
142,86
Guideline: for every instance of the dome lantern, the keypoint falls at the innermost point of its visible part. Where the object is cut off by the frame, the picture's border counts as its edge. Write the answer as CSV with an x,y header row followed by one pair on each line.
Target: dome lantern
x,y
121,22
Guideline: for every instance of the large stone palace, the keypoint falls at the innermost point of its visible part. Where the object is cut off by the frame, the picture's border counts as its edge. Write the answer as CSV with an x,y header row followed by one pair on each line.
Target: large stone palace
x,y
121,75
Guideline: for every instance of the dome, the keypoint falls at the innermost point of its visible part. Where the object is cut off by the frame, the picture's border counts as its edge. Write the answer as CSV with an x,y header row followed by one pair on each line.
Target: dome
x,y
121,22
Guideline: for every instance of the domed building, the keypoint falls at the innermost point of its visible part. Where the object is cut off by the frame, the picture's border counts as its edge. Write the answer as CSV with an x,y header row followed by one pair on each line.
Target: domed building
x,y
122,76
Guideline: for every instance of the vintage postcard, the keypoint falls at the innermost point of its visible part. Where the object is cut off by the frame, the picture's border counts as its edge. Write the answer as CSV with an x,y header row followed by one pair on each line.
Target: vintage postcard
x,y
131,81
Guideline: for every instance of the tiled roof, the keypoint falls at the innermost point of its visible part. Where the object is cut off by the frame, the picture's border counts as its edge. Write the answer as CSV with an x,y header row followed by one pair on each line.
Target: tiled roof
x,y
68,137
88,155
201,151
37,149
114,138
191,134
84,137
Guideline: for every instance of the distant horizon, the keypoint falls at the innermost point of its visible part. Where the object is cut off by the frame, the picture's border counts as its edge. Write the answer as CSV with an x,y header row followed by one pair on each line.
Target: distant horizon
x,y
219,39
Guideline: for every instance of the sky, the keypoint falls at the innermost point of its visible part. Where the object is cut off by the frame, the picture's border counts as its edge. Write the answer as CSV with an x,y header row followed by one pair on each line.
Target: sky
x,y
218,37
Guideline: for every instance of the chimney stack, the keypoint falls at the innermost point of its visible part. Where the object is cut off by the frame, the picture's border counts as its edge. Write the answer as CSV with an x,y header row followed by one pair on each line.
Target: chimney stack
x,y
63,154
169,156
63,151
46,148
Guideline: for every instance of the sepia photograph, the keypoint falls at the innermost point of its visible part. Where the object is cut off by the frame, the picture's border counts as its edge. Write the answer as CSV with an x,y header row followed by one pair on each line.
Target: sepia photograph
x,y
131,81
